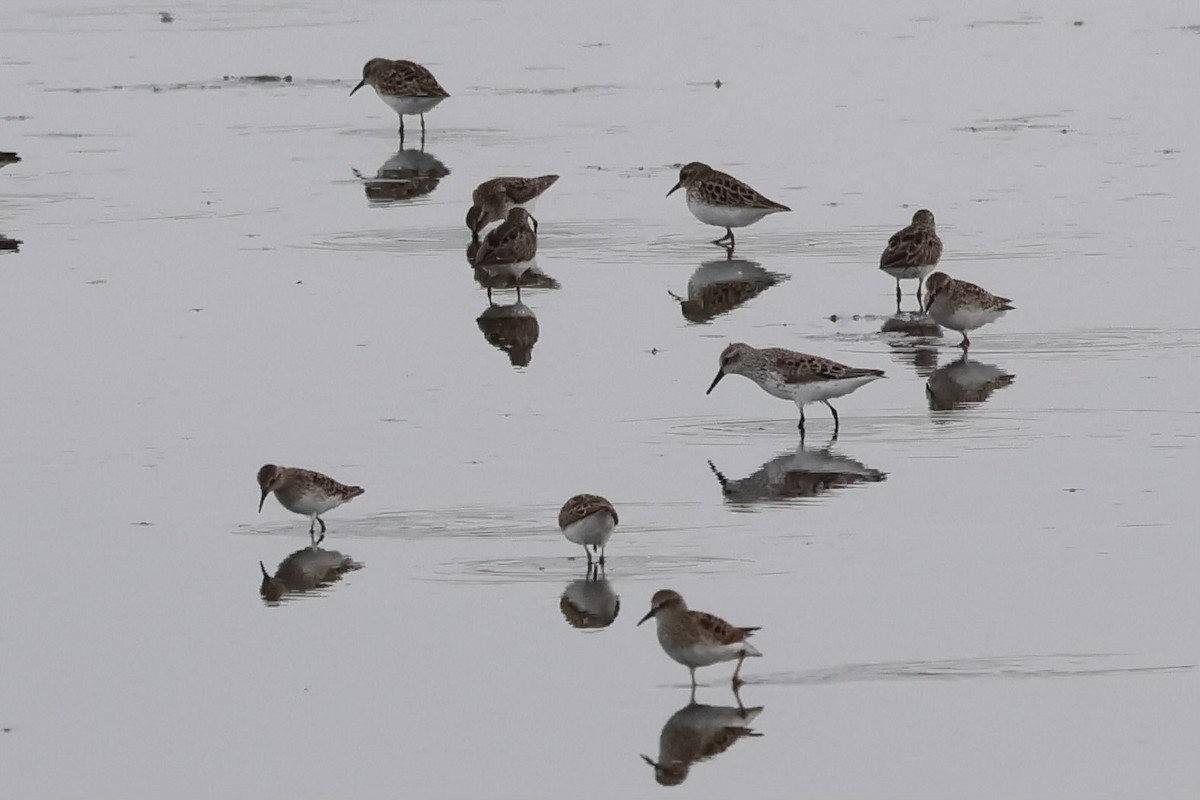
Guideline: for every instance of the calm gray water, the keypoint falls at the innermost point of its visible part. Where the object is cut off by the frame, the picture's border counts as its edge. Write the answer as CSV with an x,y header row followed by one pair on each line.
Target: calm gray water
x,y
985,588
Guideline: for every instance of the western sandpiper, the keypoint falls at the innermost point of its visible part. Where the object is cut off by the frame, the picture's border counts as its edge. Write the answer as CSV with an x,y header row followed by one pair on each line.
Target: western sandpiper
x,y
722,200
492,200
509,248
912,252
304,492
588,520
697,733
406,87
696,639
794,376
962,306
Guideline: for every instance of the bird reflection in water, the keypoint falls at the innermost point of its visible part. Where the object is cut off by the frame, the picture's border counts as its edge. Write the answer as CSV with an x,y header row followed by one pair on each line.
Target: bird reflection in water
x,y
718,287
697,733
589,603
913,338
796,474
408,174
963,383
306,569
512,329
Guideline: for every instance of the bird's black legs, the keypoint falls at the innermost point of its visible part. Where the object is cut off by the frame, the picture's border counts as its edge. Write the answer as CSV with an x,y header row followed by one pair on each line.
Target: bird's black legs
x,y
835,418
801,425
728,237
965,343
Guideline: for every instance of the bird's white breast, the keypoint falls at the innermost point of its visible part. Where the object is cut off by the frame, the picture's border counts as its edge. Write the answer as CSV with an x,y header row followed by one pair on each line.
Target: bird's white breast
x,y
409,105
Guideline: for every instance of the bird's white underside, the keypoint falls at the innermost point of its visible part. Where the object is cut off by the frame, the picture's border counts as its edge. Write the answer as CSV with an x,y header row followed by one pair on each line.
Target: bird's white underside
x,y
595,529
727,216
803,393
963,318
514,271
409,105
704,654
909,273
310,503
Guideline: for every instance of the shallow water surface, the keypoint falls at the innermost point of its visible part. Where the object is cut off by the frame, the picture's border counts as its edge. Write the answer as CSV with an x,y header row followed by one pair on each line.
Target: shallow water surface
x,y
986,586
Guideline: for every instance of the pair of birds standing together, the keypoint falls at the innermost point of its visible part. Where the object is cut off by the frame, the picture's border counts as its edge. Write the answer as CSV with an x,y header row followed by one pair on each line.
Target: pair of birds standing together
x,y
692,638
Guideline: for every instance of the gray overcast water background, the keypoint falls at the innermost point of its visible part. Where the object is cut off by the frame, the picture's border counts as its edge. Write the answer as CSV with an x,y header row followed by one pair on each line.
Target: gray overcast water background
x,y
986,588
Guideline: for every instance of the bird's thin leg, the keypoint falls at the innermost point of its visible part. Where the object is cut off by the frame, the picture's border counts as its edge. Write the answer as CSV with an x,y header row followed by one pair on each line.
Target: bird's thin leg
x,y
738,696
312,524
693,671
588,553
801,425
692,697
422,127
897,293
965,343
736,680
518,290
320,539
601,556
322,524
489,288
835,417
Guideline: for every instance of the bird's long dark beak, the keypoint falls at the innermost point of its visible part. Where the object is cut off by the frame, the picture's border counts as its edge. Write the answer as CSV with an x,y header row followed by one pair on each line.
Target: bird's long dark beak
x,y
674,188
266,575
263,500
649,614
716,380
361,84
649,760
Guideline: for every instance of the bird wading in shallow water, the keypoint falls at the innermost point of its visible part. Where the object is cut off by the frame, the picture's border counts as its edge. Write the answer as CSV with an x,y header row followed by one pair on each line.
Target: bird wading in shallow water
x,y
509,248
912,252
716,198
304,492
962,306
794,376
493,199
588,520
406,87
696,639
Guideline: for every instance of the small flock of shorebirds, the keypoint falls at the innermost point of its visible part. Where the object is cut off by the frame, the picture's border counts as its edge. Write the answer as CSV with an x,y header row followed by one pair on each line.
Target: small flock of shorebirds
x,y
692,638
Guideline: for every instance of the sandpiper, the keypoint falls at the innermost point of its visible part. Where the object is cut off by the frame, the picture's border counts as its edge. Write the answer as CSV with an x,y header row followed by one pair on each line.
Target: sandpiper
x,y
722,200
962,306
696,639
913,251
588,520
304,492
492,200
406,87
509,248
794,376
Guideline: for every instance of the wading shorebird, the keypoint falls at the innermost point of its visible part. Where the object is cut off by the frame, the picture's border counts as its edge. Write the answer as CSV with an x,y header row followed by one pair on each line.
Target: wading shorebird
x,y
493,199
912,252
304,492
588,520
794,376
962,306
406,87
716,198
509,248
696,639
